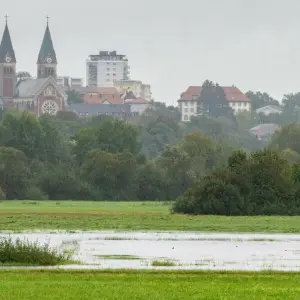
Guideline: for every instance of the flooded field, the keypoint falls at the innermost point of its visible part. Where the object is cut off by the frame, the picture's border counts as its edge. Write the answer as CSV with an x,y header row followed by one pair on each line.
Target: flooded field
x,y
174,250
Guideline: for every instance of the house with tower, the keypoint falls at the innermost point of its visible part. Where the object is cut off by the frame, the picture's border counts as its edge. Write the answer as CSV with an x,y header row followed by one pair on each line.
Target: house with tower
x,y
40,95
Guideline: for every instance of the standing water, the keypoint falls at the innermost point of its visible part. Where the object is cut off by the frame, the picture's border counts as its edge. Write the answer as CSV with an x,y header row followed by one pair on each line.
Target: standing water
x,y
174,250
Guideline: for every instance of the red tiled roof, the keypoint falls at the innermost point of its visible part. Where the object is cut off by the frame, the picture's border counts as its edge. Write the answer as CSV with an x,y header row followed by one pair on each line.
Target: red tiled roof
x,y
93,98
232,94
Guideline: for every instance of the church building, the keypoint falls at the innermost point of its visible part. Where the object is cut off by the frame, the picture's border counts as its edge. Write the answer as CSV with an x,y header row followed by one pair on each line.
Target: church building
x,y
41,95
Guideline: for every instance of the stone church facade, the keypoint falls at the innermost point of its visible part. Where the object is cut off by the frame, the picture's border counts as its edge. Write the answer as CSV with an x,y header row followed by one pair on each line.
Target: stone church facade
x,y
40,95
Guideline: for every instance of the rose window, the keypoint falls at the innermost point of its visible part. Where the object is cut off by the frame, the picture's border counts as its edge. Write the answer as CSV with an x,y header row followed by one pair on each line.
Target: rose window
x,y
50,108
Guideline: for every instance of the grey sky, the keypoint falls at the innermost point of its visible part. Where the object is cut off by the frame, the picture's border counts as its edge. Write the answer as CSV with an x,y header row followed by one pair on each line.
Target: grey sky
x,y
254,44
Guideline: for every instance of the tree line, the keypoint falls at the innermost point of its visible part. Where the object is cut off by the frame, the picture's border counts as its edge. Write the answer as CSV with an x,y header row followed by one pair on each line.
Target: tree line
x,y
152,157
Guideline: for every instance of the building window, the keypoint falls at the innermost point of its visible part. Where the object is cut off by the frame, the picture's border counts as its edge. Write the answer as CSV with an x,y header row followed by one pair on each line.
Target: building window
x,y
8,70
186,103
114,63
186,117
192,110
108,69
107,80
186,110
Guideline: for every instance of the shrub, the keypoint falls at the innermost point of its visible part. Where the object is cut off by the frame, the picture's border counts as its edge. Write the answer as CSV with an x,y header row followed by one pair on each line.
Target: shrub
x,y
261,184
2,194
24,252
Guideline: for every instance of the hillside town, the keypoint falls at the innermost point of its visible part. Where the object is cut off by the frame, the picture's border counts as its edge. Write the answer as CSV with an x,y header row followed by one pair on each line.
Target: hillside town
x,y
150,150
107,89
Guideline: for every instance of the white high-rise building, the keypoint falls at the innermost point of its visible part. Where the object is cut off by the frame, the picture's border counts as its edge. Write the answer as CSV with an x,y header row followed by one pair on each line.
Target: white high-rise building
x,y
105,68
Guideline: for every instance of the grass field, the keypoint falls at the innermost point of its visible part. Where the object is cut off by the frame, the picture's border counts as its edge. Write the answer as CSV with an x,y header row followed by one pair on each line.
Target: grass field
x,y
69,215
127,285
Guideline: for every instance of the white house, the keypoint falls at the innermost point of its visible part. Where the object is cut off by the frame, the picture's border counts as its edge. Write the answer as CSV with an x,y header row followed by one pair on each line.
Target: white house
x,y
187,103
269,110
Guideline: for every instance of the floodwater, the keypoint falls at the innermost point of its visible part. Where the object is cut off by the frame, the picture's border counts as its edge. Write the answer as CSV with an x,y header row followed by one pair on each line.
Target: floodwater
x,y
186,250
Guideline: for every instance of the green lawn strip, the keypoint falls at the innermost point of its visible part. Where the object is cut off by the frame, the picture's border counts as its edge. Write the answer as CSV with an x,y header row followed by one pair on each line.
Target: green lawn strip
x,y
72,215
150,222
168,285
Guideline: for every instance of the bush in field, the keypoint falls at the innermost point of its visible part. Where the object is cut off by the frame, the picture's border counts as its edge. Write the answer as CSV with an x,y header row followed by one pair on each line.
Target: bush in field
x,y
24,252
259,184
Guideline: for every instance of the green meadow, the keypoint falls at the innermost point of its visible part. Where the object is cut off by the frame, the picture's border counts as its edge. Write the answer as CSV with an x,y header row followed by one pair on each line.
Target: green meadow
x,y
71,215
133,285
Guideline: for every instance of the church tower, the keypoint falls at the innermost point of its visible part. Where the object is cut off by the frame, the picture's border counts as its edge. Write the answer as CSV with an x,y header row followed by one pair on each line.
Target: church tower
x,y
8,78
47,62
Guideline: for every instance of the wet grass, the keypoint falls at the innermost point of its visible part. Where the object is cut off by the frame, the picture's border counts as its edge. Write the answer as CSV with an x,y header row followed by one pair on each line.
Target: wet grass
x,y
121,257
129,216
133,285
163,263
23,252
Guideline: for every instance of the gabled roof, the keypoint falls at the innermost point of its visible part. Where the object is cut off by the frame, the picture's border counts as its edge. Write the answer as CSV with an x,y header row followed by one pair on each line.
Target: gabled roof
x,y
47,49
103,95
98,109
6,48
269,107
32,87
264,129
232,94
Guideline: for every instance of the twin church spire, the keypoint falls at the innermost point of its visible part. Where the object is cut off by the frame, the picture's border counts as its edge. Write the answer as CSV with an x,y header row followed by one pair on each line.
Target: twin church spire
x,y
7,53
47,61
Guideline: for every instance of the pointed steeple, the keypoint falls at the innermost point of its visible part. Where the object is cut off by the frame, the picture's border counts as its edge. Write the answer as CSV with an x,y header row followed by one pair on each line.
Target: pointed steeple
x,y
47,53
7,53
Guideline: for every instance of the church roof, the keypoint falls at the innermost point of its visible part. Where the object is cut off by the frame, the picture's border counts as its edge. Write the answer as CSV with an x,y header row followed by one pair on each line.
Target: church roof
x,y
6,48
30,87
47,49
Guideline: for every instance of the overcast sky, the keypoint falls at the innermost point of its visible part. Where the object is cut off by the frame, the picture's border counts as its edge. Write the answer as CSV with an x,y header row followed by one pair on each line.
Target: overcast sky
x,y
253,44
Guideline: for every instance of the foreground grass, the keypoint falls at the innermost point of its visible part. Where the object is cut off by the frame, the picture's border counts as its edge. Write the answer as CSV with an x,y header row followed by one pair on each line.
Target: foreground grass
x,y
23,252
70,215
52,285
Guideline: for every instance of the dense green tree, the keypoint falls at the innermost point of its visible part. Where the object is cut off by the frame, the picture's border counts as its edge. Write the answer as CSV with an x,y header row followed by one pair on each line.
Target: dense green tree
x,y
63,182
176,164
287,137
213,102
15,175
159,126
74,97
150,182
113,174
109,135
37,138
261,183
199,149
